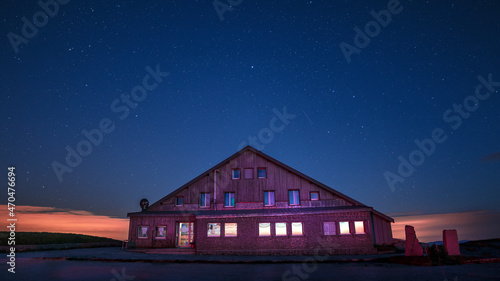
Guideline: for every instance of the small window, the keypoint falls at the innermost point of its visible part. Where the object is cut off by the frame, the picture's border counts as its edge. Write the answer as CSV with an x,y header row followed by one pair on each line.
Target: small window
x,y
261,173
293,197
314,195
142,231
213,230
265,229
231,229
296,228
236,174
229,199
359,227
161,232
280,229
204,199
248,173
269,198
329,228
344,227
179,201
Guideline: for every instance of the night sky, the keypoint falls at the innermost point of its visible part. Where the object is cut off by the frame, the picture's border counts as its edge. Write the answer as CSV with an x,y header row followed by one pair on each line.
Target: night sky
x,y
350,111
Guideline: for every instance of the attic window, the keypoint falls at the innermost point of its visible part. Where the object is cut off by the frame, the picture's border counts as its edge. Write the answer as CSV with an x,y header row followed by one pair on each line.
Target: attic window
x,y
314,195
293,197
261,173
269,198
236,174
179,201
229,199
248,173
204,199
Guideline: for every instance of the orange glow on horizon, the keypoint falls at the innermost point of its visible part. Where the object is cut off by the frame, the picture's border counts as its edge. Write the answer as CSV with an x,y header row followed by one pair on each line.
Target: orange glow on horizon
x,y
48,219
476,225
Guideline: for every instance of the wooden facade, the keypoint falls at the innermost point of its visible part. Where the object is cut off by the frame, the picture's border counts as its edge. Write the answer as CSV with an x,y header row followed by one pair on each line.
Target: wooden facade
x,y
219,213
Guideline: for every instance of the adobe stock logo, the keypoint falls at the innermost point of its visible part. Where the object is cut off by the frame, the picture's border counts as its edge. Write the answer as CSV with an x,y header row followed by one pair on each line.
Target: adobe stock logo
x,y
372,28
454,117
40,19
221,7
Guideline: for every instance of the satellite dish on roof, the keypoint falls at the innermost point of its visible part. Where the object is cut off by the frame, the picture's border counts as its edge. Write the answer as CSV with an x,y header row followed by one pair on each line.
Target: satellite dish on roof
x,y
144,204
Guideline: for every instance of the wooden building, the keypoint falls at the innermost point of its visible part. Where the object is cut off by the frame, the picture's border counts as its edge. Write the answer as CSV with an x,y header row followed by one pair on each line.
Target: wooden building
x,y
252,204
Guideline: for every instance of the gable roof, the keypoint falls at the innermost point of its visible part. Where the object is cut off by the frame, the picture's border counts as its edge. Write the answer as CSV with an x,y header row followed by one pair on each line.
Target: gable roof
x,y
276,162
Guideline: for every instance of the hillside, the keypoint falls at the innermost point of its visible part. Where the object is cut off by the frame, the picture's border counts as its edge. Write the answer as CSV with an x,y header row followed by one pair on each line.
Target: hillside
x,y
41,238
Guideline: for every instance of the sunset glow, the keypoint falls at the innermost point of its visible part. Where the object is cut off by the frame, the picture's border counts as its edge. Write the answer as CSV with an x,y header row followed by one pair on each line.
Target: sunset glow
x,y
474,225
48,219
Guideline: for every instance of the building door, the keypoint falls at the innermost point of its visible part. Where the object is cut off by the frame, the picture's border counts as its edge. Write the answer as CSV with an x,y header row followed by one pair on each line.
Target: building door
x,y
185,234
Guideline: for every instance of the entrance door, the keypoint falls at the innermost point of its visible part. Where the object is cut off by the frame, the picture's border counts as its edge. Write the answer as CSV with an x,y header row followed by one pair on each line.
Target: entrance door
x,y
185,234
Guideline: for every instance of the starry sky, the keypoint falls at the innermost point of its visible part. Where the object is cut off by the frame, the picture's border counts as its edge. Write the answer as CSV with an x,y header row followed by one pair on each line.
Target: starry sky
x,y
208,79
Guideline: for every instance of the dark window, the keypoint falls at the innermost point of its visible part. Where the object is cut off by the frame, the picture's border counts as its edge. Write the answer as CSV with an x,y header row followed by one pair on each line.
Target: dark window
x,y
161,232
179,201
248,173
293,197
236,174
269,198
142,231
261,173
205,200
229,199
314,195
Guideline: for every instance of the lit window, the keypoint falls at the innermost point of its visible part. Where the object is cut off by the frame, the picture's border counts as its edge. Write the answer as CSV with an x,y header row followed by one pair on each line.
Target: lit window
x,y
236,174
142,231
293,197
344,227
296,228
359,227
231,229
329,228
229,199
314,195
264,229
213,230
248,173
161,232
261,173
280,229
179,201
205,200
269,198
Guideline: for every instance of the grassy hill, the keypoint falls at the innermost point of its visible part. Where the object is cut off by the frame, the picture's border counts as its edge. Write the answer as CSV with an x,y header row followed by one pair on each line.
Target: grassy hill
x,y
41,238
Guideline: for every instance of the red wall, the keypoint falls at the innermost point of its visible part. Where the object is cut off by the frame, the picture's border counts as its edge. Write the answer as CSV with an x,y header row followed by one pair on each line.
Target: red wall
x,y
312,242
